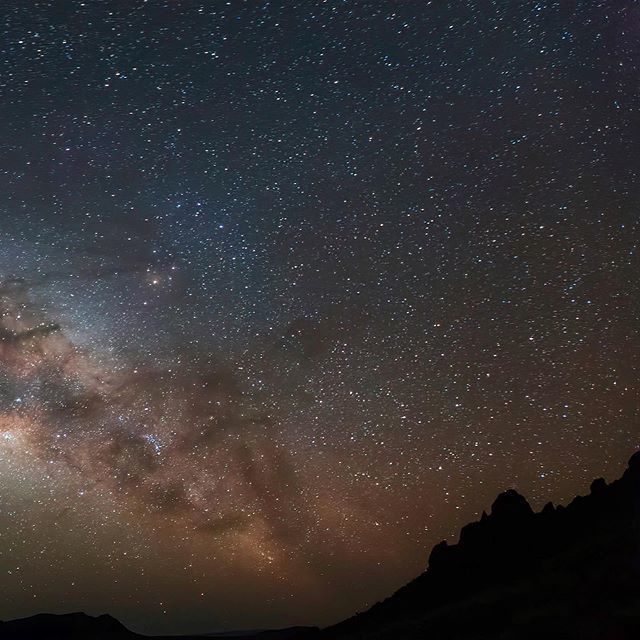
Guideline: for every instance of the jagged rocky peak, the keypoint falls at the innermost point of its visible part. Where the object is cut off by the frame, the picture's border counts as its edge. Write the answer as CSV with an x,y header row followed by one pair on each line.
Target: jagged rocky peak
x,y
634,463
548,509
511,505
598,486
438,554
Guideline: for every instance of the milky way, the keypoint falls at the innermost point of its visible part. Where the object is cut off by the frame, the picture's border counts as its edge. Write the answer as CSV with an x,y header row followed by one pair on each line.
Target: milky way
x,y
290,290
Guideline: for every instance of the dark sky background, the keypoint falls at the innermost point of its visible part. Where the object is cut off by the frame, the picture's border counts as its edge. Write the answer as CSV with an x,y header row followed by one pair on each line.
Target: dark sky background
x,y
290,290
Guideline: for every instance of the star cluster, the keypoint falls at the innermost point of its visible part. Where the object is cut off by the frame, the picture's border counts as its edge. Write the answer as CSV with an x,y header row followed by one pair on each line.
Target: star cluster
x,y
290,290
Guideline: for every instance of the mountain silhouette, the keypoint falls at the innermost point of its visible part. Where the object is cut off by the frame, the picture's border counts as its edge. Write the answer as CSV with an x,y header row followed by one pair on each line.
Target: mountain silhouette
x,y
570,573
80,626
74,626
567,572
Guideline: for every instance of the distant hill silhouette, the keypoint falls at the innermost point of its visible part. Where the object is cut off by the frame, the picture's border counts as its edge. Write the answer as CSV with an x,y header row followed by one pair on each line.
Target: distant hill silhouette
x,y
570,573
80,626
72,625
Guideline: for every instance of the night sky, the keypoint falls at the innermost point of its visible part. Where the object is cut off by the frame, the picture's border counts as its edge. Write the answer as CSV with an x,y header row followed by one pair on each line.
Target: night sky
x,y
290,290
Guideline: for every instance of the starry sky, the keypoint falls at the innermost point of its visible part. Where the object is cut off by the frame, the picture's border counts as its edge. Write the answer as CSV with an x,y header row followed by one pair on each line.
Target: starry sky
x,y
291,289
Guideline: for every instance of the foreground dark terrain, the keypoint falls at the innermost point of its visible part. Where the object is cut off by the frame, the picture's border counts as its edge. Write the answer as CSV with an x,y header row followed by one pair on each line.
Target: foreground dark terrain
x,y
567,572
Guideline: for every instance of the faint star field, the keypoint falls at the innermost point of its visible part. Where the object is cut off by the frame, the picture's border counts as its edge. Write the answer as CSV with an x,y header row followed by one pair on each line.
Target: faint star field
x,y
289,291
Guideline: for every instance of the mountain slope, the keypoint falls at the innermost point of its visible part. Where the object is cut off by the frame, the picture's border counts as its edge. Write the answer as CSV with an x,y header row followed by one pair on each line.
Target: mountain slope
x,y
569,572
